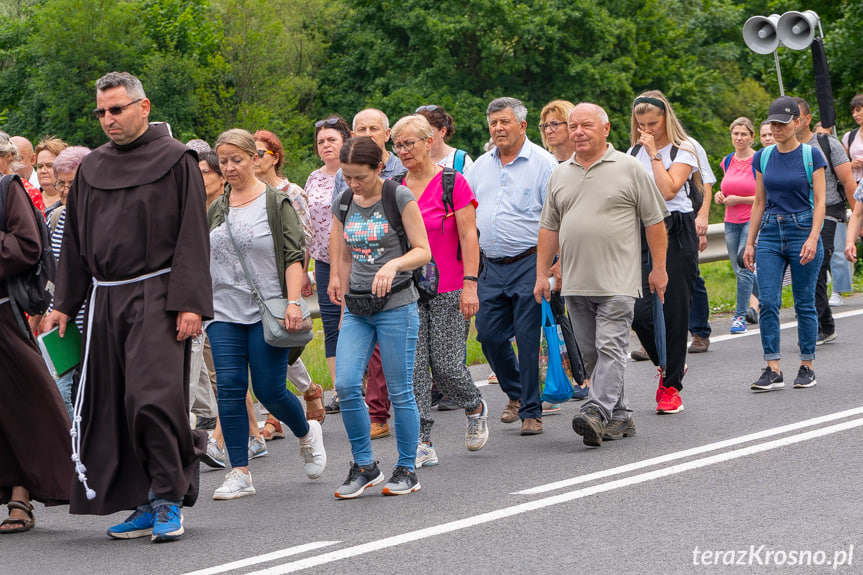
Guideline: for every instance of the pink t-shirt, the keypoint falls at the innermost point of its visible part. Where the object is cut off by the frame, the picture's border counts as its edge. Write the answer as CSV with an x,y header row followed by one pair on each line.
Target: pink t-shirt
x,y
444,242
739,180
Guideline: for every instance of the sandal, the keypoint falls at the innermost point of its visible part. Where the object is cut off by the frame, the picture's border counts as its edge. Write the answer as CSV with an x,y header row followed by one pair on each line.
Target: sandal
x,y
272,429
24,524
314,399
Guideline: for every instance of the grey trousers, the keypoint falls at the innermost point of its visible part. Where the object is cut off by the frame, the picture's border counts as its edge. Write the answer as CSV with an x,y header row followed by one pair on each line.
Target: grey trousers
x,y
601,326
201,397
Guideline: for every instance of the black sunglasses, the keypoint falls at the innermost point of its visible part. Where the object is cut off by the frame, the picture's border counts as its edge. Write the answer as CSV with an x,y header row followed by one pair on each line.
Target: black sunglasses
x,y
430,108
115,110
327,122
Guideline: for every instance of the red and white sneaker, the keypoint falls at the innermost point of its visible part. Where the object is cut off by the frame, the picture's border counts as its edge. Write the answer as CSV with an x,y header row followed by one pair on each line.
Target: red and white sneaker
x,y
670,402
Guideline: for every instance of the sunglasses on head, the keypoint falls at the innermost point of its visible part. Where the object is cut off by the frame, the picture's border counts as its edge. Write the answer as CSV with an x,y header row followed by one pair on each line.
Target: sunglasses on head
x,y
262,152
115,110
430,108
327,122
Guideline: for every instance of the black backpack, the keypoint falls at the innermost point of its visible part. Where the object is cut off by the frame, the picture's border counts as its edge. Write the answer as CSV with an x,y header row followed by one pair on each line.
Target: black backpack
x,y
31,291
694,184
425,277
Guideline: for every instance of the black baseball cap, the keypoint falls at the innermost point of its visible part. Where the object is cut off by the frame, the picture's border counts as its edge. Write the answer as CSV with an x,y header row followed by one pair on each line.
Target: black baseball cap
x,y
783,110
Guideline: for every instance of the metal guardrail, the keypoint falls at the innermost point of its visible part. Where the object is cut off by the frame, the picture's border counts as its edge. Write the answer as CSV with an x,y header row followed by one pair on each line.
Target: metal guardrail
x,y
715,252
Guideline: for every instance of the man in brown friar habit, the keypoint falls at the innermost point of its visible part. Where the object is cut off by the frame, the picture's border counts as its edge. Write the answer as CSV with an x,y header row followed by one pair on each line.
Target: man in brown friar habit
x,y
136,242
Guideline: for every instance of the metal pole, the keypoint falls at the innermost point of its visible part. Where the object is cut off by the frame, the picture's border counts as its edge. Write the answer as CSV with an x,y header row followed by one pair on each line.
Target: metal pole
x,y
778,72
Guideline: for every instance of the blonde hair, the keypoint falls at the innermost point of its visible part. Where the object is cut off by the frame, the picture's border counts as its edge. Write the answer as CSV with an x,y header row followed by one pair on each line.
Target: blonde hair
x,y
673,128
7,148
745,122
560,108
239,138
51,144
418,123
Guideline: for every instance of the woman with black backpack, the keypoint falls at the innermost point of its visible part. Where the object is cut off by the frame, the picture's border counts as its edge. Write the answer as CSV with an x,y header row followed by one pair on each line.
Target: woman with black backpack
x,y
660,143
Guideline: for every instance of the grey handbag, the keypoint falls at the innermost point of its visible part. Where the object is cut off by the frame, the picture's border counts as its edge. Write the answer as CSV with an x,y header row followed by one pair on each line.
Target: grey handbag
x,y
273,312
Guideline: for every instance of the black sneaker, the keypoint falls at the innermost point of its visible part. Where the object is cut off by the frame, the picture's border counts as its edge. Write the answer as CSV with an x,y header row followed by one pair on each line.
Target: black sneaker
x,y
359,479
588,424
333,406
769,381
805,378
402,482
618,429
825,338
752,315
436,396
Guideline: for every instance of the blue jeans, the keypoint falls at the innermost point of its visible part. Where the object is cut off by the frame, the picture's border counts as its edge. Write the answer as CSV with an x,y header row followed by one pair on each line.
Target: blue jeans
x,y
331,314
396,330
237,350
780,240
64,384
508,309
735,241
840,268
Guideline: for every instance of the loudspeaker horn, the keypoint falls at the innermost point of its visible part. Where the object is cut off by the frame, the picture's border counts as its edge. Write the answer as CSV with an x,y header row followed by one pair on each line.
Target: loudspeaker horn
x,y
761,34
797,29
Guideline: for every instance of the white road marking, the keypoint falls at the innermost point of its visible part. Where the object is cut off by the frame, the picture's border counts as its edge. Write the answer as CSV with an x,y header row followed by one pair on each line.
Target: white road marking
x,y
690,452
790,324
511,511
263,558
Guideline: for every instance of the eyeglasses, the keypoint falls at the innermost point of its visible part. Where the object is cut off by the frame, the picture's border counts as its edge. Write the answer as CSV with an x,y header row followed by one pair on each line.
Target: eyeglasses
x,y
430,108
327,122
552,125
62,186
115,110
405,146
46,166
262,152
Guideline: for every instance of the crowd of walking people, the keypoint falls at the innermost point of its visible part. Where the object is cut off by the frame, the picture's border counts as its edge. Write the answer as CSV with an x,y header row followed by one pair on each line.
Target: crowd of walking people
x,y
185,266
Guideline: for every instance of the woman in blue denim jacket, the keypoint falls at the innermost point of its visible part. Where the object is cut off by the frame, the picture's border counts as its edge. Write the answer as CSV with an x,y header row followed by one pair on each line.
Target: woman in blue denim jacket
x,y
789,204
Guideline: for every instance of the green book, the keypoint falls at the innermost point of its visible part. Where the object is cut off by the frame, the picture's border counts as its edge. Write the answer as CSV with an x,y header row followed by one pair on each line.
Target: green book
x,y
62,355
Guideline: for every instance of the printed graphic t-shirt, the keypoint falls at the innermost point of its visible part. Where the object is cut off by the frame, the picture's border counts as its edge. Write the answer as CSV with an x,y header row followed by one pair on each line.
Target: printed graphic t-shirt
x,y
373,242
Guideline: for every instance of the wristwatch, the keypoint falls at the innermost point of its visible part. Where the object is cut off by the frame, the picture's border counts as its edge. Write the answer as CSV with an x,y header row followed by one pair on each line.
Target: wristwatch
x,y
294,302
657,156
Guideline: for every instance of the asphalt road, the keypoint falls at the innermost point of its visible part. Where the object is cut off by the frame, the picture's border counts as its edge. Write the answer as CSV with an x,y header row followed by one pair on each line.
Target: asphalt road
x,y
738,482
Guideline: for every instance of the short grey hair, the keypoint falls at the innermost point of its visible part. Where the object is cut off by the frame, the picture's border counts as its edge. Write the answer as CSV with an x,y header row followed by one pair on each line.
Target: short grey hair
x,y
500,104
383,117
7,148
133,85
600,112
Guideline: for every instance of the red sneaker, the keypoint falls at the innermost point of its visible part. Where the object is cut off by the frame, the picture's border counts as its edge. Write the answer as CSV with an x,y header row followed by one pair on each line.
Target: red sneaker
x,y
660,391
670,402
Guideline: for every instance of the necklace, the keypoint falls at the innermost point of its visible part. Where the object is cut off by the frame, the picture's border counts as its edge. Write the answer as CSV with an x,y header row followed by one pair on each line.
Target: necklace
x,y
249,201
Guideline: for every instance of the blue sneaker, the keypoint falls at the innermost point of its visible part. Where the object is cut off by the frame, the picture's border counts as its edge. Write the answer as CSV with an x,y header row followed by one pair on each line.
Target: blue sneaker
x,y
138,524
169,523
738,324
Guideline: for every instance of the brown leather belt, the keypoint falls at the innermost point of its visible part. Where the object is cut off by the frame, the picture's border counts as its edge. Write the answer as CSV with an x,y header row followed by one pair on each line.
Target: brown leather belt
x,y
513,259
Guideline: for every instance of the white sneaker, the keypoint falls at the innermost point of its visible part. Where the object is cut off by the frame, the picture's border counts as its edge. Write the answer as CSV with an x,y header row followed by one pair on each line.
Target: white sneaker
x,y
312,451
426,455
257,447
237,484
835,300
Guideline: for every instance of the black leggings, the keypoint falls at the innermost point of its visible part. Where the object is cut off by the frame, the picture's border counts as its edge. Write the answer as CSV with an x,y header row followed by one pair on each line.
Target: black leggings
x,y
681,265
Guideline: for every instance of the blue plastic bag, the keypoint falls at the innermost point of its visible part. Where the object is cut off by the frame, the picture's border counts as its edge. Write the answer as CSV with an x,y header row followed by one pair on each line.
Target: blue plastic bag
x,y
555,385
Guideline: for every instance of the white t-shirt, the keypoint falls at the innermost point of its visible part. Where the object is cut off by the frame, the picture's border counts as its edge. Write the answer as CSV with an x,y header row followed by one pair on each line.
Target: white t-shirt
x,y
680,202
449,161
